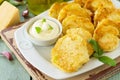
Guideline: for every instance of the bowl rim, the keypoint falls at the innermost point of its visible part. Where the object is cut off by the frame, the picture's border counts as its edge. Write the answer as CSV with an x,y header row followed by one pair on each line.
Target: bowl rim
x,y
30,22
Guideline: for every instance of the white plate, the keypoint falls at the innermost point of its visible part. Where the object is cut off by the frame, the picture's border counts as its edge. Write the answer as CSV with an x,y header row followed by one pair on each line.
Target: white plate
x,y
39,57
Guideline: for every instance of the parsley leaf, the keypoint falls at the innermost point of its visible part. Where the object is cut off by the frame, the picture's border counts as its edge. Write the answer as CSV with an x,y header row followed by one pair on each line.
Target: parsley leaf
x,y
38,29
99,52
107,60
43,20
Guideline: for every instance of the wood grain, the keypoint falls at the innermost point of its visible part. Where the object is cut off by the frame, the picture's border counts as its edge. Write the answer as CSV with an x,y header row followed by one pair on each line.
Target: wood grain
x,y
100,73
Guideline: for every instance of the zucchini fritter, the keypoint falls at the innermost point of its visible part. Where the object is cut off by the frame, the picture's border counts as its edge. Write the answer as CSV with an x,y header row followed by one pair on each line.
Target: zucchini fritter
x,y
74,21
94,4
101,13
55,9
84,34
81,2
115,18
73,9
108,42
106,34
70,53
103,28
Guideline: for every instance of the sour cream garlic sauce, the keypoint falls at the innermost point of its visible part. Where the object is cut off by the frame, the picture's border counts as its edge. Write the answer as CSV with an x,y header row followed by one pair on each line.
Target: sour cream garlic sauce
x,y
44,29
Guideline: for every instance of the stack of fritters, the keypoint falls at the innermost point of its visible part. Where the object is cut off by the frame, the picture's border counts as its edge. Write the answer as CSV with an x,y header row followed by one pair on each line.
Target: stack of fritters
x,y
83,20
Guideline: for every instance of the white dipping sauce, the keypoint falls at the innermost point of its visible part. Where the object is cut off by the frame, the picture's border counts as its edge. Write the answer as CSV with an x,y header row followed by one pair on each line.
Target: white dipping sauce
x,y
48,29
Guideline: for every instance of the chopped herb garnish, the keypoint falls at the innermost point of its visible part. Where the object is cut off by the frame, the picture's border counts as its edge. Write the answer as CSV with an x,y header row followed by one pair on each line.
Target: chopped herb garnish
x,y
38,29
50,27
99,54
43,20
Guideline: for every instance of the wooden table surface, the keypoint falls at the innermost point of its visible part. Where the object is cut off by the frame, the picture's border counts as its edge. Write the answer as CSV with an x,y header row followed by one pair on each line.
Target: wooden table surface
x,y
13,70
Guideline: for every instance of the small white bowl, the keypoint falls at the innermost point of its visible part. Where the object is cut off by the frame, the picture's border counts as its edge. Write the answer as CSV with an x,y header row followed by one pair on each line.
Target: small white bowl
x,y
49,42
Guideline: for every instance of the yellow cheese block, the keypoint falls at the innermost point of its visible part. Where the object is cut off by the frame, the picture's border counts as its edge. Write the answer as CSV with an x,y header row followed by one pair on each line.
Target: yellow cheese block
x,y
9,15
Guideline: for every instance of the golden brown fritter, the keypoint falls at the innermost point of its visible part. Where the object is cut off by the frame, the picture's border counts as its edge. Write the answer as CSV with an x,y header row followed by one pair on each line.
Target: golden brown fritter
x,y
74,21
84,34
73,9
102,12
55,9
94,4
108,42
81,2
115,18
103,27
80,31
70,53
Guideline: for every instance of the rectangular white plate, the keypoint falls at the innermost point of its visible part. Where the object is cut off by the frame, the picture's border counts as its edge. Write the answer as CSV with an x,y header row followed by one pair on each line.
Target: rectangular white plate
x,y
39,57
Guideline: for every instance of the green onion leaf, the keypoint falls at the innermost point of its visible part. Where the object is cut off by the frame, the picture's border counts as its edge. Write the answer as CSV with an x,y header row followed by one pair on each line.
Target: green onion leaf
x,y
38,29
107,60
50,27
43,20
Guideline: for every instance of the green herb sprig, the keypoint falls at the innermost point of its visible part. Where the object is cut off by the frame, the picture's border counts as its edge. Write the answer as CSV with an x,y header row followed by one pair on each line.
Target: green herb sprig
x,y
99,54
43,20
38,29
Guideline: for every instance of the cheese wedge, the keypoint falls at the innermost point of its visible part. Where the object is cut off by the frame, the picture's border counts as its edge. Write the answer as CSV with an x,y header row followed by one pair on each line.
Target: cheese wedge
x,y
9,15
